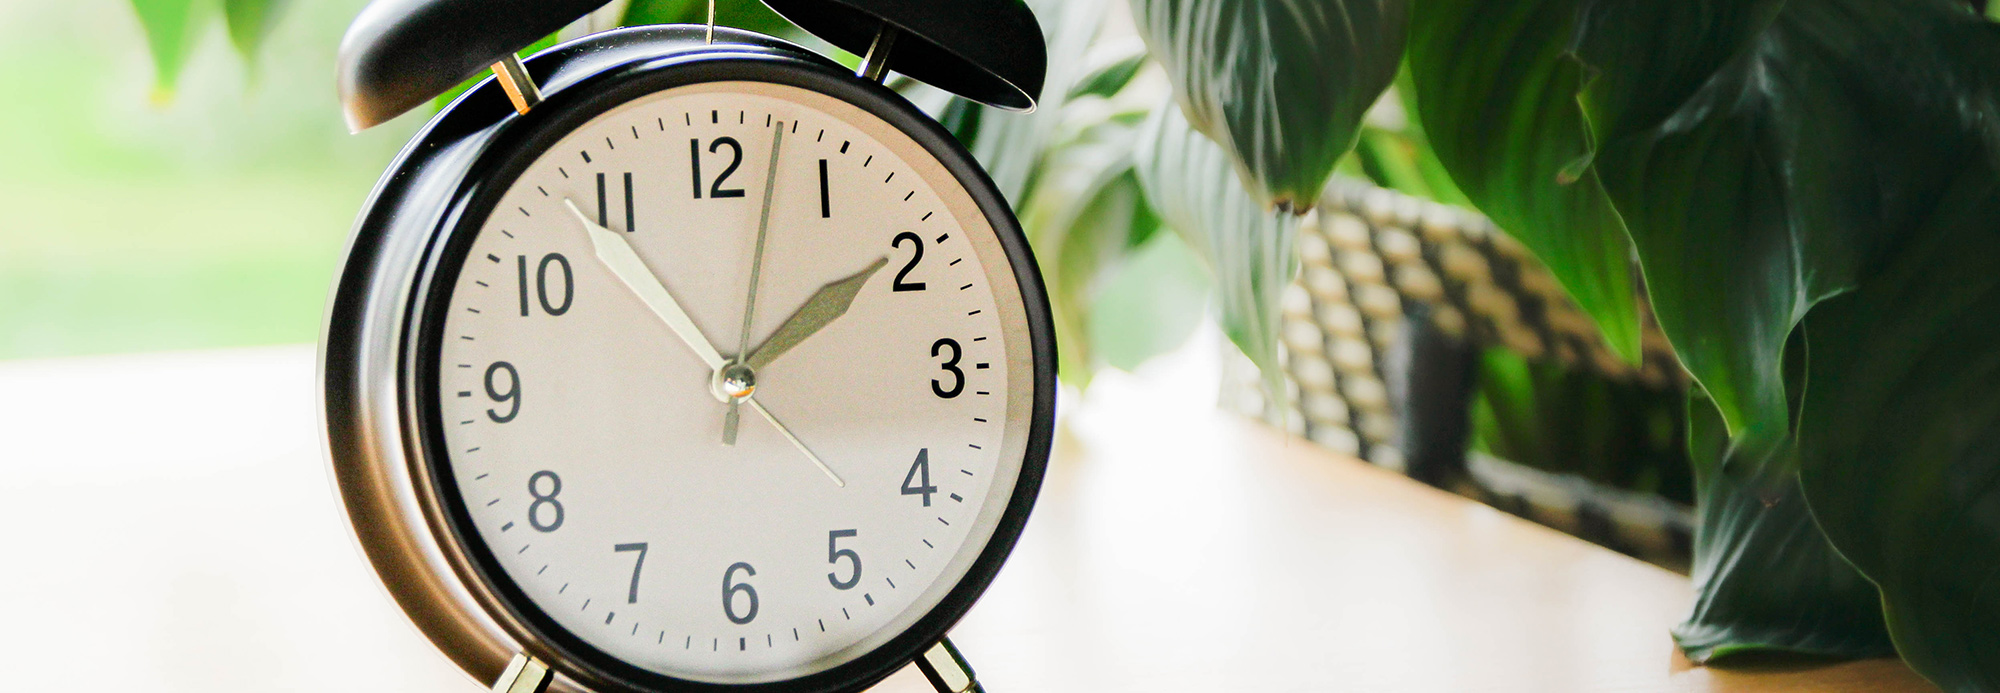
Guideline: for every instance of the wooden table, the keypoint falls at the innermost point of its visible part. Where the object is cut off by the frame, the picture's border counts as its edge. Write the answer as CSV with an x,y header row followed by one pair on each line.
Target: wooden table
x,y
170,527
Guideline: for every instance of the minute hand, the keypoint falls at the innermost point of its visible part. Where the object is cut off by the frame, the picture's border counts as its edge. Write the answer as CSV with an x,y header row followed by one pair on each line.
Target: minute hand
x,y
625,264
825,305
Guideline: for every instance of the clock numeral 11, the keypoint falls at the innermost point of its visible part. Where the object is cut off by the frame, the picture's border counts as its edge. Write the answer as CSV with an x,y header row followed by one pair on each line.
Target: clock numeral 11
x,y
604,203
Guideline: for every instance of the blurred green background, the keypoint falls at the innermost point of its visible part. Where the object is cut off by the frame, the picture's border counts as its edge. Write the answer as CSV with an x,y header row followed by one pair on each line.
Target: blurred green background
x,y
215,217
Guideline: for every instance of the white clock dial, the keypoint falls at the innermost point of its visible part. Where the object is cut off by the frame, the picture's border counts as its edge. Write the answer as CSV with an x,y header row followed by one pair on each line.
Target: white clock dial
x,y
586,436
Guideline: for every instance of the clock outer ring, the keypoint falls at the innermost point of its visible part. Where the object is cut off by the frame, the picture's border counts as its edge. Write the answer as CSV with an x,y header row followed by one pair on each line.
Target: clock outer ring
x,y
473,611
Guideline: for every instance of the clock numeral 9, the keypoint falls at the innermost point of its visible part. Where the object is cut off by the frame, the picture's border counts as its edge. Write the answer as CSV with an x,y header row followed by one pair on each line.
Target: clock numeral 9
x,y
730,587
918,256
833,555
512,396
715,188
950,365
542,283
920,472
547,500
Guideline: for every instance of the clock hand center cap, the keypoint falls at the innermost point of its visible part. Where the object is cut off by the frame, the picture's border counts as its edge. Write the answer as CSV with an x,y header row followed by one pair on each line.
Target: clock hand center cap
x,y
735,381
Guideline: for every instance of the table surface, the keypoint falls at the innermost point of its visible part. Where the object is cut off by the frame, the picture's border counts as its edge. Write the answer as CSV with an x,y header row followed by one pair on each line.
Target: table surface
x,y
171,527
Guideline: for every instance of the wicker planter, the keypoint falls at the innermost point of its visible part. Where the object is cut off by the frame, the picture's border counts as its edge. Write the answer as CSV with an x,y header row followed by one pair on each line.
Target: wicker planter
x,y
1395,298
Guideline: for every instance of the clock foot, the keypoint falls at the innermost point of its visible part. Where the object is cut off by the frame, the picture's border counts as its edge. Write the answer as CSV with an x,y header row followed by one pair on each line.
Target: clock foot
x,y
524,675
947,669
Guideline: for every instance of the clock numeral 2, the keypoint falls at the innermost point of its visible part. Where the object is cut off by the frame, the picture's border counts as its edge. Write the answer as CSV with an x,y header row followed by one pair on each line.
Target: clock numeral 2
x,y
920,472
715,188
604,203
542,283
918,256
632,595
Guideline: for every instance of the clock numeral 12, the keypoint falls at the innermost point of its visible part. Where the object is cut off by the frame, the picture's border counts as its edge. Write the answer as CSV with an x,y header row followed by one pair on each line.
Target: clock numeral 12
x,y
542,283
715,188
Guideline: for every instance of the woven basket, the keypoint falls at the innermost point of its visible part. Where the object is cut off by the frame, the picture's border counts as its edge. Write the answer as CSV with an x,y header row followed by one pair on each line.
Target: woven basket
x,y
1392,294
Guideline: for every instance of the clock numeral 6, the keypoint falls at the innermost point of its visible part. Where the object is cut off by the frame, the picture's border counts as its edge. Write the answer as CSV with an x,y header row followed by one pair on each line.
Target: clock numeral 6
x,y
547,500
715,188
916,257
542,283
920,472
729,589
833,555
512,396
950,365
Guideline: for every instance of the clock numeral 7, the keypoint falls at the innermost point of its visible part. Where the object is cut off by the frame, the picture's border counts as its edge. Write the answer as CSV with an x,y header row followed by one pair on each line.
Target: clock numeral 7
x,y
715,188
632,595
920,472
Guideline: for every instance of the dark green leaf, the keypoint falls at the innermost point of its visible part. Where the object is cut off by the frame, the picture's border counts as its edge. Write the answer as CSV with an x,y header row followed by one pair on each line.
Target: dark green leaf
x,y
172,28
1497,100
1249,250
1111,77
250,21
1281,84
1150,304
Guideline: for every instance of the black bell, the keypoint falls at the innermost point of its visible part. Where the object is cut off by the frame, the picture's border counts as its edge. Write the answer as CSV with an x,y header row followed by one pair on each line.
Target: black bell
x,y
990,51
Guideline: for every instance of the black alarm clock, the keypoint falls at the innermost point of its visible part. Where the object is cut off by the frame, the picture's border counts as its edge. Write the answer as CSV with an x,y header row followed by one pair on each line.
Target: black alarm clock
x,y
681,358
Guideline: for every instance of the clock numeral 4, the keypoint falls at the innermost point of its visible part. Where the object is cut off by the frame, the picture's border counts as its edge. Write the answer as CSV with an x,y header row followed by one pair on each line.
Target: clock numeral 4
x,y
916,257
920,472
950,365
730,588
632,595
512,397
545,500
833,555
715,188
542,283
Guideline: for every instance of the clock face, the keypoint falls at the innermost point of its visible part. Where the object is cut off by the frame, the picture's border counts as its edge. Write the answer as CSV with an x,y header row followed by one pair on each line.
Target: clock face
x,y
883,387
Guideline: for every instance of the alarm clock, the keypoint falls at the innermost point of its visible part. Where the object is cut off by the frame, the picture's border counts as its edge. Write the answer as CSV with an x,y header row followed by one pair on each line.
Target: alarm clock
x,y
681,358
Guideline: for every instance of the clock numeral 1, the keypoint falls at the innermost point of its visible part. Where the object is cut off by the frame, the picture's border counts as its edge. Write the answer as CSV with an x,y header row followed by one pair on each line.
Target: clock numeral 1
x,y
833,555
632,595
730,587
604,204
825,204
920,472
715,188
542,283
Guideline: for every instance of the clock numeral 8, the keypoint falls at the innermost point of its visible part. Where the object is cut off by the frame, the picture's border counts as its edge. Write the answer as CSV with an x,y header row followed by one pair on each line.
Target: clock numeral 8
x,y
545,499
950,365
729,589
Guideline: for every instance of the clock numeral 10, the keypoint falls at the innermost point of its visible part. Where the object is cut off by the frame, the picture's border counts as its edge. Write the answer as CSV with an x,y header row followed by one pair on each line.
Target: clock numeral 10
x,y
715,188
730,588
542,283
920,472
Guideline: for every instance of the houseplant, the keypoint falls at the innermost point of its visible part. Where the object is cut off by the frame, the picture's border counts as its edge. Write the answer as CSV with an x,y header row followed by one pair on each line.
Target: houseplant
x,y
1807,188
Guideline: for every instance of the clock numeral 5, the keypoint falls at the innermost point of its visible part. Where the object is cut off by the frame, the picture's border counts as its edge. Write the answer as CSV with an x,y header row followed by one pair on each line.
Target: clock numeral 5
x,y
920,472
833,555
542,283
730,587
950,365
715,188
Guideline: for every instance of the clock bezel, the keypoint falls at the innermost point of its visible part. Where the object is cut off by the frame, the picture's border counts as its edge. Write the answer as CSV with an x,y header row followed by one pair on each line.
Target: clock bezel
x,y
523,142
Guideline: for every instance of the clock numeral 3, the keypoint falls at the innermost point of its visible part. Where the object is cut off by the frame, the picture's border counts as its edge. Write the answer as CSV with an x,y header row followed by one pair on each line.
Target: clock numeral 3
x,y
632,595
545,500
920,472
715,188
899,284
730,587
833,555
950,365
512,396
542,283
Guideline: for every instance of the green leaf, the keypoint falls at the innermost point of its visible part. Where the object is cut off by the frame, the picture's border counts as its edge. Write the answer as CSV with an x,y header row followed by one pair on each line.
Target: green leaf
x,y
1497,100
172,29
250,21
1011,146
1150,304
1901,434
1082,236
1281,84
1110,78
1192,184
749,15
1765,577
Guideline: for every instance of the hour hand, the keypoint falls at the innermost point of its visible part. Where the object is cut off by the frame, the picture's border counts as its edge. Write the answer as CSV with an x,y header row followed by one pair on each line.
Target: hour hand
x,y
618,255
825,306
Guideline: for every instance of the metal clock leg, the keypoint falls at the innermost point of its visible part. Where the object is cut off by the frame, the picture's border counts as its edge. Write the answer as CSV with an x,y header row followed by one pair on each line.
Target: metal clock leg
x,y
947,669
524,675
